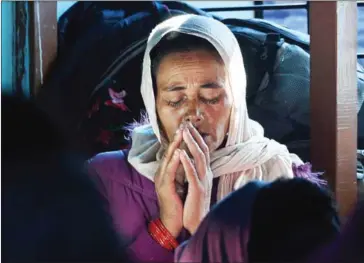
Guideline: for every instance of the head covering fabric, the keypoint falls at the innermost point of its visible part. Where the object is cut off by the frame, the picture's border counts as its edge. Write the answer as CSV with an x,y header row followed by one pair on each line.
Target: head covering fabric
x,y
247,154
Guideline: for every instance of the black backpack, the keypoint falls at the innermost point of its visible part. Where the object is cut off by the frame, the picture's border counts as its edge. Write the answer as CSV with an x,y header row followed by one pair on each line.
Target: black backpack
x,y
93,89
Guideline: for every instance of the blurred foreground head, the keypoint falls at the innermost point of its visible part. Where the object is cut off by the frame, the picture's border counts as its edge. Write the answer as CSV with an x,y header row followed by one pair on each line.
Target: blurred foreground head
x,y
27,132
283,221
51,211
291,219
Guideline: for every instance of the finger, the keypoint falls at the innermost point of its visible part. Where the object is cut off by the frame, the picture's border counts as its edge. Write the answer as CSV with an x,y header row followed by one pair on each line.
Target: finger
x,y
190,171
200,141
170,174
171,149
196,152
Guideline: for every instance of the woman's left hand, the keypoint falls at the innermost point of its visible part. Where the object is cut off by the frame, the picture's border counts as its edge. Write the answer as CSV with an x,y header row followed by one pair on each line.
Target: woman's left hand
x,y
199,178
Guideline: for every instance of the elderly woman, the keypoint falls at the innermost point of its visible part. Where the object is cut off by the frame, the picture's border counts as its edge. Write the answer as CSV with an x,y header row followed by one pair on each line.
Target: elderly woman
x,y
200,144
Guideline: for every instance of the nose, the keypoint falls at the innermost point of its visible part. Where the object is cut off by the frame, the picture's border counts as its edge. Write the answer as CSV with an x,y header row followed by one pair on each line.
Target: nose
x,y
195,119
194,116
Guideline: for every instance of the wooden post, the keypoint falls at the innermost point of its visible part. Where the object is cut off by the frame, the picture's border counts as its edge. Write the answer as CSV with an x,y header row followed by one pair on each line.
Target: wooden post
x,y
333,30
44,42
35,43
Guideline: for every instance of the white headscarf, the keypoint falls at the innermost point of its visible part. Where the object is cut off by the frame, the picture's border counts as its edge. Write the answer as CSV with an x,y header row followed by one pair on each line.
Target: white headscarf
x,y
248,155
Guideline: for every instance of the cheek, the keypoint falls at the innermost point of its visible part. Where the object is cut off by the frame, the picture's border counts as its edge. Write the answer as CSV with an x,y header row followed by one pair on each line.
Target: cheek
x,y
219,117
170,120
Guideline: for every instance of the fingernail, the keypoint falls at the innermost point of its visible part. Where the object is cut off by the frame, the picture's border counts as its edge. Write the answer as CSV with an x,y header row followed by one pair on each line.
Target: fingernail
x,y
176,153
189,125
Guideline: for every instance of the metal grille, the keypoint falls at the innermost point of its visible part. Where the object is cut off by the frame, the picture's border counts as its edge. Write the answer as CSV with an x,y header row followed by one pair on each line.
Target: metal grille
x,y
259,7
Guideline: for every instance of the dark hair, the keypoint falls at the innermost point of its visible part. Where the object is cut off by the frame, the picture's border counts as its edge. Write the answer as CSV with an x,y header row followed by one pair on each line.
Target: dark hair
x,y
174,42
291,218
52,210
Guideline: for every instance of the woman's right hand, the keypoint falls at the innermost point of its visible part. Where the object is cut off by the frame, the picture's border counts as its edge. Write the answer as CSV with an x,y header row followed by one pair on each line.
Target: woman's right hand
x,y
170,204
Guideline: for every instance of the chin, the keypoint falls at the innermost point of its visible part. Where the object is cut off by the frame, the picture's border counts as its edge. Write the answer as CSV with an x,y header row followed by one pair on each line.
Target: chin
x,y
212,147
218,145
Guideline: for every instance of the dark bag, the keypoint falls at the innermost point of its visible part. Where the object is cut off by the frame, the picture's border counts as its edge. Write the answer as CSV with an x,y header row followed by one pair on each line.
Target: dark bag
x,y
94,87
280,98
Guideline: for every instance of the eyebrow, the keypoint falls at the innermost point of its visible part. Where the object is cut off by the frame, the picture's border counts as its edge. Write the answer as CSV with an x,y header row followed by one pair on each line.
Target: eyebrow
x,y
210,85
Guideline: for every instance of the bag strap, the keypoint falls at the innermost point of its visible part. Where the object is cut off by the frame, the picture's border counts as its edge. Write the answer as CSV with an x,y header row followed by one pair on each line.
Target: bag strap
x,y
273,43
161,11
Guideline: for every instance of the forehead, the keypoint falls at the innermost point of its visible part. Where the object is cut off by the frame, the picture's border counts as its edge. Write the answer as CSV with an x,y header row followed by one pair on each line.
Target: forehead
x,y
195,62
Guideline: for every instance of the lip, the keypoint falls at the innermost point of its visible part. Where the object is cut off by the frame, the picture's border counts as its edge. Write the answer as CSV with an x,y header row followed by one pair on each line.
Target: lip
x,y
204,135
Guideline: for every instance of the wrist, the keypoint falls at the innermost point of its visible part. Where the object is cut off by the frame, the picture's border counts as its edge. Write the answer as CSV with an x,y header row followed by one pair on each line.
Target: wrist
x,y
171,227
192,229
161,235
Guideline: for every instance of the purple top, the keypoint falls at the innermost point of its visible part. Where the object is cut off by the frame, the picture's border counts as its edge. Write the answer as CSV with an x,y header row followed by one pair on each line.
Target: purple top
x,y
132,204
348,246
223,234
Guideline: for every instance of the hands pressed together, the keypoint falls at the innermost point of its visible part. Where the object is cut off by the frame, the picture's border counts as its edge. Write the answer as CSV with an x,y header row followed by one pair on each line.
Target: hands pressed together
x,y
174,214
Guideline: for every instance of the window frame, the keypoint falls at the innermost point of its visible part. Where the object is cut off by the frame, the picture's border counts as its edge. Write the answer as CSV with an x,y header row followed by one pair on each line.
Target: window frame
x,y
259,7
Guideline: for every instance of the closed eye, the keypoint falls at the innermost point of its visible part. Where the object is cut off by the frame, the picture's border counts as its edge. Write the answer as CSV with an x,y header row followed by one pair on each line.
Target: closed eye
x,y
210,101
211,85
175,104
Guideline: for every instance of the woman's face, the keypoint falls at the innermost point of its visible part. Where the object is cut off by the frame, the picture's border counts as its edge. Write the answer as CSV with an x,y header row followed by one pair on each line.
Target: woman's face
x,y
193,86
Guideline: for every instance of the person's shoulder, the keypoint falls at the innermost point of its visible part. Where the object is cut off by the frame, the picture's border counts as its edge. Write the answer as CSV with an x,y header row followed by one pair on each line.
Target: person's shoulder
x,y
108,157
114,167
277,167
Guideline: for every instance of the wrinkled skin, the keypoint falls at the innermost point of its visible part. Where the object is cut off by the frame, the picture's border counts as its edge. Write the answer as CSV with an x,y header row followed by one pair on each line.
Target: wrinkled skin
x,y
193,105
194,86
